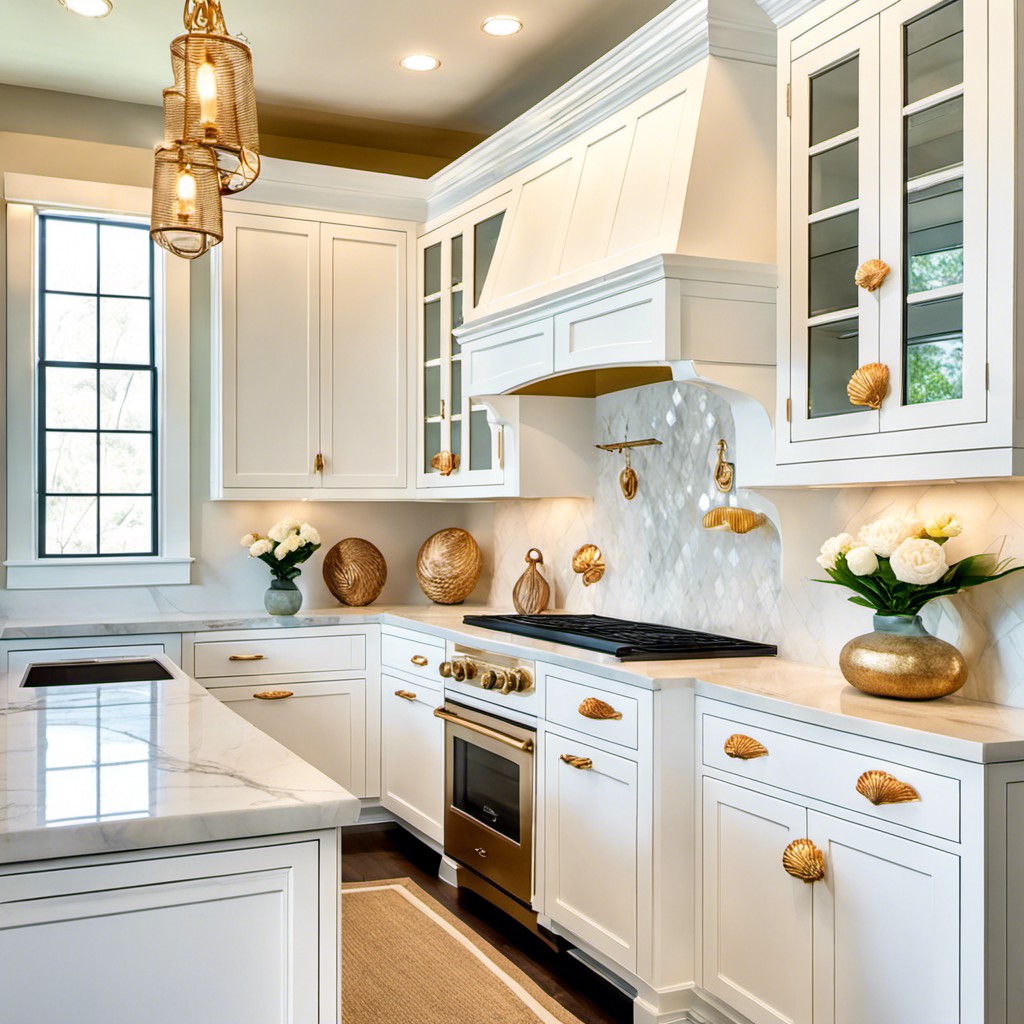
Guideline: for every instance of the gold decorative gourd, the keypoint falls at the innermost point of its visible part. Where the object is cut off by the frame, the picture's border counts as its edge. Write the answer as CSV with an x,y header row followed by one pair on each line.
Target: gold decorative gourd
x,y
355,571
448,566
588,562
532,592
869,385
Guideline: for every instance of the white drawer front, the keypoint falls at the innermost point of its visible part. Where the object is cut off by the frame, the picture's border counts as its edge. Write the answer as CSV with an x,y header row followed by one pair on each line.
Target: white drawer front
x,y
579,705
417,657
280,654
824,772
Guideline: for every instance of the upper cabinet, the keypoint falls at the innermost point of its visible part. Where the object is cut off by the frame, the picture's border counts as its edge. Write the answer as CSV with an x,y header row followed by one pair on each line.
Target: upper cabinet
x,y
897,243
313,358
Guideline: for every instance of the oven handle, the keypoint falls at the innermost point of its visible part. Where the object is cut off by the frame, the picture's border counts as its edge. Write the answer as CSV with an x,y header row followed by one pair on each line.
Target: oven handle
x,y
526,746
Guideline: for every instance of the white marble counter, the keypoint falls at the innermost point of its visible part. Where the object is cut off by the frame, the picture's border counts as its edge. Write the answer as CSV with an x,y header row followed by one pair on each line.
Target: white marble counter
x,y
123,766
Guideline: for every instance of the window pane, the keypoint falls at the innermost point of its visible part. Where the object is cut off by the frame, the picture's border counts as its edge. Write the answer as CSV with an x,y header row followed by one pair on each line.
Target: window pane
x,y
125,463
432,269
126,399
479,440
124,260
935,138
70,255
456,437
456,386
70,463
457,259
935,349
124,330
431,445
432,391
70,398
832,359
835,101
432,330
834,176
126,526
833,250
935,237
485,241
935,51
70,526
70,328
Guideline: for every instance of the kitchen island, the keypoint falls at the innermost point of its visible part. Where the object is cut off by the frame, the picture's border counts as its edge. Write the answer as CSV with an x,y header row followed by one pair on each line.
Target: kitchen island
x,y
161,858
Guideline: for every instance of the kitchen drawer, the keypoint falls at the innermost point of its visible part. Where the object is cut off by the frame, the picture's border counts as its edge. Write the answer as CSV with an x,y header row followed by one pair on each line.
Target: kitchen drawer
x,y
271,656
417,656
569,698
821,770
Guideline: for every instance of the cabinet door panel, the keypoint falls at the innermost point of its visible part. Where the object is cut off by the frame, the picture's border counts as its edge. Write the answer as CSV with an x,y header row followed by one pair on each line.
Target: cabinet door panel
x,y
591,846
757,918
413,744
886,928
270,351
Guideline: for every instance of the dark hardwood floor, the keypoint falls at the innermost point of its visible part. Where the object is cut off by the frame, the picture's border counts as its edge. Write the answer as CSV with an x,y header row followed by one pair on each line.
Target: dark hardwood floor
x,y
391,852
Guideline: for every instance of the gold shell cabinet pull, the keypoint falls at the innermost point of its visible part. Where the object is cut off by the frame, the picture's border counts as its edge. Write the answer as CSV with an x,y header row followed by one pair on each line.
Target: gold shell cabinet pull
x,y
318,462
882,788
744,748
869,385
871,274
599,710
581,763
446,463
803,860
274,694
418,659
405,694
246,657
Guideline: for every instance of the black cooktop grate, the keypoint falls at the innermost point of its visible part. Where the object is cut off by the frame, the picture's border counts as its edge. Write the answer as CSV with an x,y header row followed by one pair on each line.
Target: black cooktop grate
x,y
628,641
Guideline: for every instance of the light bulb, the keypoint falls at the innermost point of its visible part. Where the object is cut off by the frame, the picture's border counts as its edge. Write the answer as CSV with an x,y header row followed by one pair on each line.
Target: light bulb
x,y
502,25
420,62
186,189
88,8
206,86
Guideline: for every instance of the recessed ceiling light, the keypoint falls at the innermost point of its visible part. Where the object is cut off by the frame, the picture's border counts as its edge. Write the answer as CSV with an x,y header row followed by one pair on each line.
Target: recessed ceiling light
x,y
88,8
502,25
420,62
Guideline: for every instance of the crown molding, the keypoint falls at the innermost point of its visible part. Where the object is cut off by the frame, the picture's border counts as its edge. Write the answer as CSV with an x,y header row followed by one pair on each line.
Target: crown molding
x,y
782,12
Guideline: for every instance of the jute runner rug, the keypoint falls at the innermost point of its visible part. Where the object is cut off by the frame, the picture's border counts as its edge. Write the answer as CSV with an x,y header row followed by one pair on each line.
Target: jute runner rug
x,y
407,960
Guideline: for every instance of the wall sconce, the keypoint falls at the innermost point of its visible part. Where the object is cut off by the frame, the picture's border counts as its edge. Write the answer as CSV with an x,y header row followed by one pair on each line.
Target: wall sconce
x,y
628,480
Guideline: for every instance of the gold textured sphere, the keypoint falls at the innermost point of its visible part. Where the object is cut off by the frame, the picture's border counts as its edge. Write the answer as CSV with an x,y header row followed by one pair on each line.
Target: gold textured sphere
x,y
448,566
903,667
355,571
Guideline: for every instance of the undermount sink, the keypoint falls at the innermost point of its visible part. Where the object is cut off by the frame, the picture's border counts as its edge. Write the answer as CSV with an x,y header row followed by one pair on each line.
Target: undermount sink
x,y
95,671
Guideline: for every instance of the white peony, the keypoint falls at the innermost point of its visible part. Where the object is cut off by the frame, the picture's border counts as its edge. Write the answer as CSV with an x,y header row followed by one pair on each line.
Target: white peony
x,y
291,543
282,529
861,561
946,525
249,539
919,561
309,534
885,535
260,547
833,548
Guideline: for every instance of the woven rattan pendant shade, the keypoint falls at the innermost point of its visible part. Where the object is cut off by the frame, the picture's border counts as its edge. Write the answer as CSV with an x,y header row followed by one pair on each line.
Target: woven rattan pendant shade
x,y
187,217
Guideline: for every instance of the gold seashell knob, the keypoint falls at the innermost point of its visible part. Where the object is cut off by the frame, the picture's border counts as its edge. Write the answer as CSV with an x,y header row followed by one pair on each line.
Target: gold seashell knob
x,y
738,520
869,385
882,788
446,463
599,710
588,562
744,748
803,860
573,761
870,275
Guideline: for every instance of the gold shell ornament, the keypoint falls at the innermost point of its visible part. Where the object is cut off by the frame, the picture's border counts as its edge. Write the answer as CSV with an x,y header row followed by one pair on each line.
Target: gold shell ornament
x,y
738,520
355,571
629,482
446,463
803,860
531,593
882,788
869,385
598,710
871,274
744,748
448,566
588,562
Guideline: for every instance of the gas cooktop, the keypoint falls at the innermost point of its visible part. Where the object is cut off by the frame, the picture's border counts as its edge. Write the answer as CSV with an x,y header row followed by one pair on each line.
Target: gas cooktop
x,y
627,641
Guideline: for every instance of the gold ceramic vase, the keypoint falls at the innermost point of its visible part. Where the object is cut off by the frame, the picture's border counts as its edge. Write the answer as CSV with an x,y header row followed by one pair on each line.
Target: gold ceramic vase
x,y
901,659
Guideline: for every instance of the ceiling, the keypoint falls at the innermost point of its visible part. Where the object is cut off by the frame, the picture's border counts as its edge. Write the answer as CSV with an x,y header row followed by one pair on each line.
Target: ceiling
x,y
331,66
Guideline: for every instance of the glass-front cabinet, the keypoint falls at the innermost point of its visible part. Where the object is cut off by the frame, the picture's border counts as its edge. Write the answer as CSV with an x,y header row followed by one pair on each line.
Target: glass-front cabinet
x,y
458,446
888,224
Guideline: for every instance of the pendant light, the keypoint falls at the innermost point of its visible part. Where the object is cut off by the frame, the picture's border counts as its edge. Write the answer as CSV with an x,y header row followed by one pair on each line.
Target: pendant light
x,y
188,217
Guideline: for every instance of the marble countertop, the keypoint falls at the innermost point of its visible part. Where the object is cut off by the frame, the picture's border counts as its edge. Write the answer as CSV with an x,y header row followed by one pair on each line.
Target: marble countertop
x,y
952,726
126,766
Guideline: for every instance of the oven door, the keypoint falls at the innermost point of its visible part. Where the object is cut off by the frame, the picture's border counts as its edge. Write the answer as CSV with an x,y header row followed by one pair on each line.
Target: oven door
x,y
488,825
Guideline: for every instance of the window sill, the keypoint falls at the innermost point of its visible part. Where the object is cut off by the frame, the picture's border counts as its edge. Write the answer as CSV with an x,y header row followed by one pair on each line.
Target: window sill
x,y
59,574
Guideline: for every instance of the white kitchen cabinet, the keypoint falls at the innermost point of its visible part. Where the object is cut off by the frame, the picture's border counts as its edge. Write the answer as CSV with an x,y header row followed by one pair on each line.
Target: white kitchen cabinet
x,y
312,358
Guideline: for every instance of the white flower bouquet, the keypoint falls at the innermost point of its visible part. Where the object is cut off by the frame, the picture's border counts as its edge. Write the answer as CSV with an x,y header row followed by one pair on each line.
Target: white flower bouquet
x,y
285,547
896,566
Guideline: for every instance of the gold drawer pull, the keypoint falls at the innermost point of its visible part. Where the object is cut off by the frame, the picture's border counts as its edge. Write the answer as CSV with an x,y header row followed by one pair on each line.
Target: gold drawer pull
x,y
246,657
882,788
418,659
405,694
591,707
274,694
803,860
582,763
745,748
871,274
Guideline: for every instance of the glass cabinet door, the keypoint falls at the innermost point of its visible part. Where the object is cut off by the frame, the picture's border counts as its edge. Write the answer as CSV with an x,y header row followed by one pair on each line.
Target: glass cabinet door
x,y
834,196
933,212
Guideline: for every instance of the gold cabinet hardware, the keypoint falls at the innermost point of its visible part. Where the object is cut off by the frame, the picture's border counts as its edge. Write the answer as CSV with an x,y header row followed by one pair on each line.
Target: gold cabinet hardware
x,y
405,694
803,860
442,408
882,788
599,710
446,462
744,748
582,763
871,274
463,670
728,518
246,657
444,670
526,746
318,462
869,385
501,447
274,694
418,659
725,472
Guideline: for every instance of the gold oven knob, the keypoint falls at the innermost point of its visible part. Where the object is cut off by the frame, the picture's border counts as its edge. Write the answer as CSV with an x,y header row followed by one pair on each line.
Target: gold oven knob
x,y
445,669
494,679
463,670
521,680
